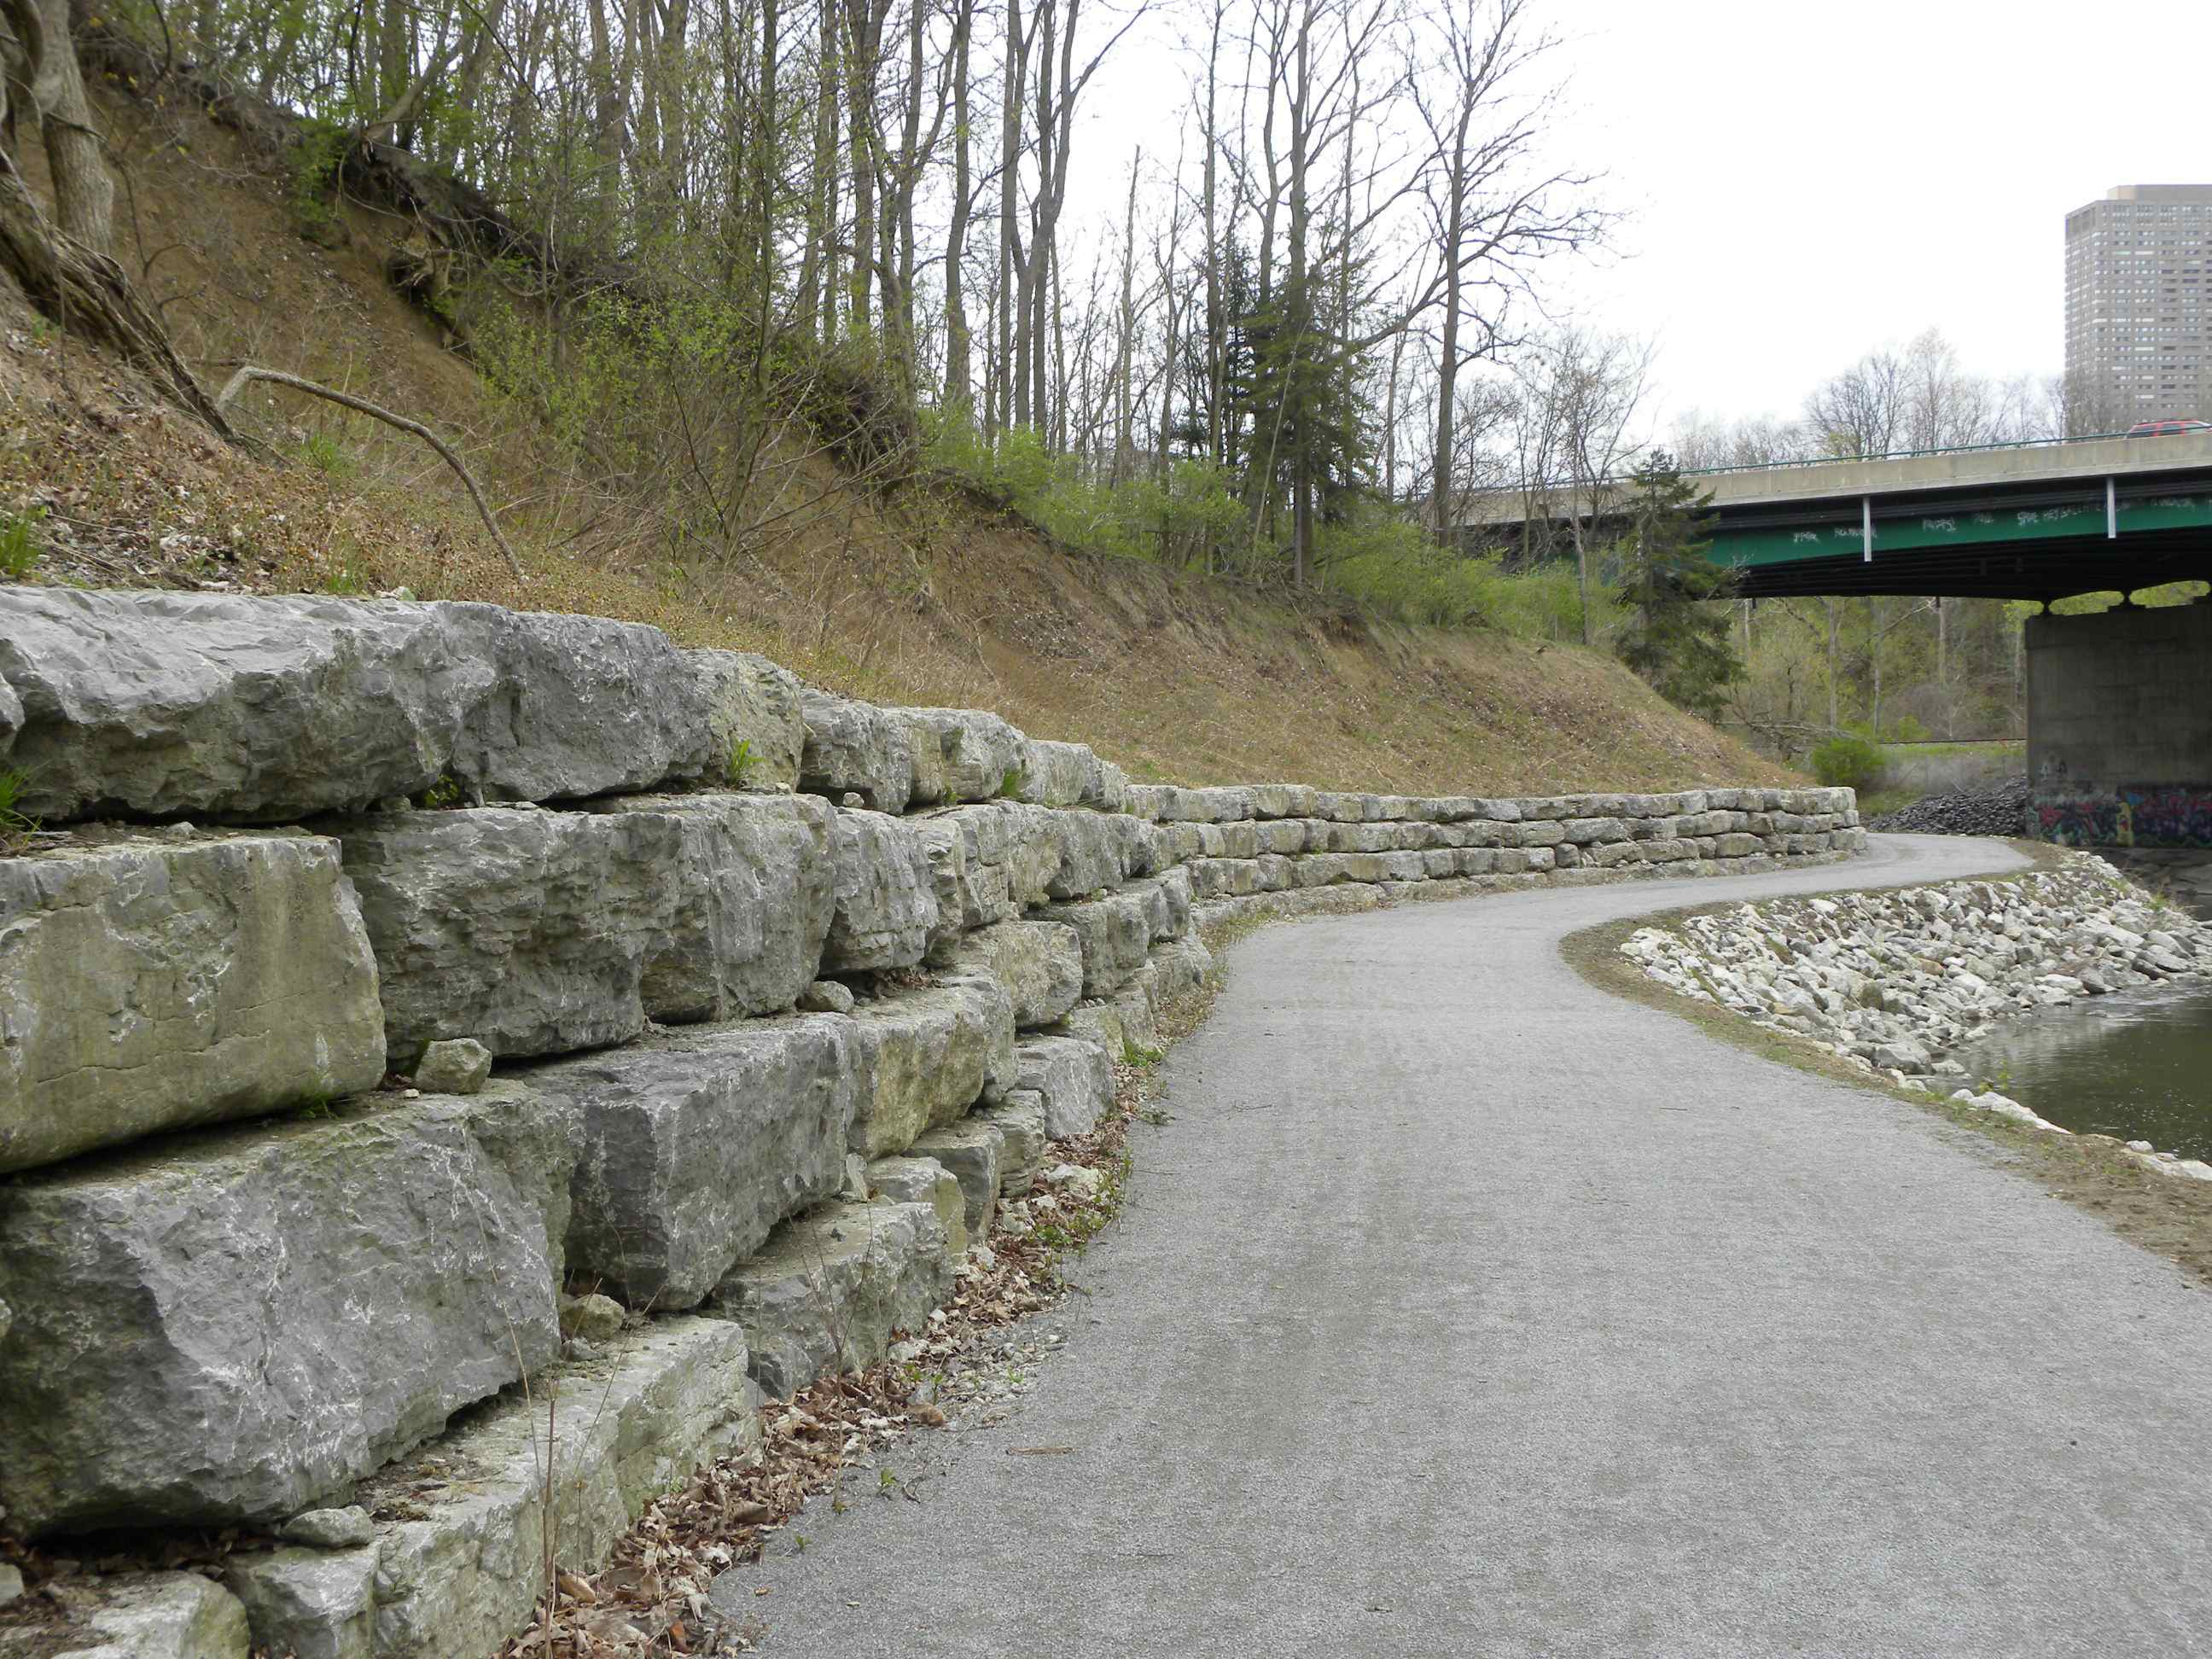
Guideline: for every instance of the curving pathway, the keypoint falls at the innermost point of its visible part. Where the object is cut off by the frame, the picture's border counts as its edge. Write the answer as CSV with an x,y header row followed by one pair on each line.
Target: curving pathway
x,y
1463,1310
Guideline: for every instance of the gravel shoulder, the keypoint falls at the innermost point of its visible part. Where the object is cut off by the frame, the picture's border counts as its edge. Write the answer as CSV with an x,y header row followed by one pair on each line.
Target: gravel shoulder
x,y
1462,1306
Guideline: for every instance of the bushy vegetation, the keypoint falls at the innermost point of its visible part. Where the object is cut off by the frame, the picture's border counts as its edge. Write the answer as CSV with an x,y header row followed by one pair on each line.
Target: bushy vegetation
x,y
1849,760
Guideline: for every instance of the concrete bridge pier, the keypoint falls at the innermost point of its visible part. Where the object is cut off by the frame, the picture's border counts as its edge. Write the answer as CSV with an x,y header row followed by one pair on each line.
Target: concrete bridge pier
x,y
2120,727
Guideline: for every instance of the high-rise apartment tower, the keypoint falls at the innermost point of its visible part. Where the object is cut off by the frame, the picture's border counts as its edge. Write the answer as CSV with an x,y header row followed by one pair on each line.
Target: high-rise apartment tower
x,y
2139,304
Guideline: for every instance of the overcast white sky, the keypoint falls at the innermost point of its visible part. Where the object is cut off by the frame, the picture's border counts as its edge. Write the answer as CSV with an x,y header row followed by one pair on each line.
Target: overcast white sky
x,y
1806,181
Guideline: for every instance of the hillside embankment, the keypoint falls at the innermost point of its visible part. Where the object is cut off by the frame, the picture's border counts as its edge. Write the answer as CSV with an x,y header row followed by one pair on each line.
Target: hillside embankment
x,y
922,594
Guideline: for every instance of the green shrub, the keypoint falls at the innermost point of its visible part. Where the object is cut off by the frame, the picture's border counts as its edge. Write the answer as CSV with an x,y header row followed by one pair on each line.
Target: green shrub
x,y
1848,761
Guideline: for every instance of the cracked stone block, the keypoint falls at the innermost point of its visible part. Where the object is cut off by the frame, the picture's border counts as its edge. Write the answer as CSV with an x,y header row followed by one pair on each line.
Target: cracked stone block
x,y
856,747
234,1327
971,1151
630,1423
152,984
1020,1123
308,1603
263,709
1039,962
924,1057
1114,934
834,1286
917,1179
756,892
155,1615
1072,1077
694,1146
886,906
753,701
981,751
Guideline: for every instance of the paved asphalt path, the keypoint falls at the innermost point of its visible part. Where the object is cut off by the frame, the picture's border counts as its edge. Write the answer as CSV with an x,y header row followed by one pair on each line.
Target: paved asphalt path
x,y
1462,1308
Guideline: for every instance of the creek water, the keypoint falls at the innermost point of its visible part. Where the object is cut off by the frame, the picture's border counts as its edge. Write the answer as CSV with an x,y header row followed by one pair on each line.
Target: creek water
x,y
2138,1065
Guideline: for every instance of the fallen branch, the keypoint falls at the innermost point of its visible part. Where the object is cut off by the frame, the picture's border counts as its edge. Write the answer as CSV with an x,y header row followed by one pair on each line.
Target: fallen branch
x,y
250,372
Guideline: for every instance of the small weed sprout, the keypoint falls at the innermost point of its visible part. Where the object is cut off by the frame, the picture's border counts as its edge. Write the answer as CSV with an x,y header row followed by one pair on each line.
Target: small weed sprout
x,y
444,793
327,455
16,826
739,761
17,551
1010,786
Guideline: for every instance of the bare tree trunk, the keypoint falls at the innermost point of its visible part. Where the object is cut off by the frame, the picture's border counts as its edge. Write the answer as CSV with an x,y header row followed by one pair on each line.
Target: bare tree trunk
x,y
84,196
1124,440
958,374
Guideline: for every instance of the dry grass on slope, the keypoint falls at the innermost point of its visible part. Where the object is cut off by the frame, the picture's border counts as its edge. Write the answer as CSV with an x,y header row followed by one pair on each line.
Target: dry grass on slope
x,y
921,600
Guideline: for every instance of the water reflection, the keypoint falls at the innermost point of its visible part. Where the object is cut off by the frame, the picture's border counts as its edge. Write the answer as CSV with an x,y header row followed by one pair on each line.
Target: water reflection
x,y
2137,1066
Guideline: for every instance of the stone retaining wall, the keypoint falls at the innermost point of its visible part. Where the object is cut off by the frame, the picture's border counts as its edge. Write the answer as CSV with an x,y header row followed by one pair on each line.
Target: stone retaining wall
x,y
778,993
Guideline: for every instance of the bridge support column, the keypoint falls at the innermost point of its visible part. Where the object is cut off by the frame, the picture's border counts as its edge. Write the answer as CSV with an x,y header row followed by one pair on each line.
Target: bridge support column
x,y
2120,727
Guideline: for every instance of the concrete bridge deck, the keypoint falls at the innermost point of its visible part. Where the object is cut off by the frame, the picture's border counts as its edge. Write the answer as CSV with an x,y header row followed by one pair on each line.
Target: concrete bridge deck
x,y
1462,1308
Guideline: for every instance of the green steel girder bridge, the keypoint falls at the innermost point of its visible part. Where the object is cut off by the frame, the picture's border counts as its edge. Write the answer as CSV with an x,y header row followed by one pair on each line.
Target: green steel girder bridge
x,y
2024,522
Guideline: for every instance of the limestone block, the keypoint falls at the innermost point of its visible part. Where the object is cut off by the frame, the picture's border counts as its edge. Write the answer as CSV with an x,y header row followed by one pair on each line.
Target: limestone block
x,y
265,709
1137,1003
308,1603
929,782
886,894
753,701
152,984
924,1057
530,932
920,1179
1093,856
1060,774
1114,932
693,1146
971,1151
1184,965
234,1327
1099,1023
458,1066
156,1615
1020,1123
1074,1078
834,1286
981,751
755,889
630,1424
1039,962
855,747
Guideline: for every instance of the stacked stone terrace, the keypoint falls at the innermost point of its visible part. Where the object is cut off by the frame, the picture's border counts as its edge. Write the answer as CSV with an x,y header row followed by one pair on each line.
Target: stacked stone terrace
x,y
391,984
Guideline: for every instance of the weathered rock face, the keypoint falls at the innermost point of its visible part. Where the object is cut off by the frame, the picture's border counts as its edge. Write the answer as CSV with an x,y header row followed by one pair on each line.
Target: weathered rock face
x,y
161,704
693,1148
755,892
528,931
924,1057
980,751
856,747
1020,1124
971,1151
1039,962
753,703
1073,1080
309,1603
153,984
920,1179
1114,933
234,1327
157,1615
834,1285
631,1425
886,894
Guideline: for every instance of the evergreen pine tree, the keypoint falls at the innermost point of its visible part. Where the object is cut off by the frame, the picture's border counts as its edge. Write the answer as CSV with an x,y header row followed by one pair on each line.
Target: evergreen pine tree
x,y
1678,636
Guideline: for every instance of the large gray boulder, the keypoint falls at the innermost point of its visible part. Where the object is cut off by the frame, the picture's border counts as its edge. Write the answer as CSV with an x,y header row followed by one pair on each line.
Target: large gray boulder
x,y
1019,1120
926,1056
971,1150
1039,962
529,931
155,1615
756,889
263,709
753,714
1114,931
235,1326
695,1145
856,747
157,983
983,753
886,908
1072,1078
308,1603
833,1288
